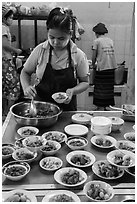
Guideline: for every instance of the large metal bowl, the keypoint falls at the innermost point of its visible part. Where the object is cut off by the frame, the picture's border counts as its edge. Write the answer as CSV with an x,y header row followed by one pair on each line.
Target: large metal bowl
x,y
20,112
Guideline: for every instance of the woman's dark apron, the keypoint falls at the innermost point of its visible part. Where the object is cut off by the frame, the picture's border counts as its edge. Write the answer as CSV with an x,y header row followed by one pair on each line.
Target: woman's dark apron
x,y
104,88
57,81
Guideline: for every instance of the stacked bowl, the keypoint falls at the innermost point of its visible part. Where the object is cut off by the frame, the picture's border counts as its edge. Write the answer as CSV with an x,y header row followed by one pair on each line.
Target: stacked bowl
x,y
101,125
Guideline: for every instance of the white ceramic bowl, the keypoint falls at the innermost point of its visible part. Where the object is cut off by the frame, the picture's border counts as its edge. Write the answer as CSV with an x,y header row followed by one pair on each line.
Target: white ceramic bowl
x,y
117,123
76,142
80,158
27,131
76,130
60,97
130,136
62,176
51,163
107,191
19,143
24,155
103,141
34,143
125,145
21,196
15,170
59,196
105,170
81,118
121,158
7,150
50,148
55,136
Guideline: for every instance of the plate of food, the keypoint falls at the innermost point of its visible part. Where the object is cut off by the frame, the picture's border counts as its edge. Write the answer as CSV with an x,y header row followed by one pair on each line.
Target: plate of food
x,y
80,158
105,170
76,142
76,130
131,170
70,176
51,163
61,196
126,145
81,118
24,155
121,158
130,136
103,141
27,131
55,136
18,195
34,143
50,148
7,150
60,97
15,170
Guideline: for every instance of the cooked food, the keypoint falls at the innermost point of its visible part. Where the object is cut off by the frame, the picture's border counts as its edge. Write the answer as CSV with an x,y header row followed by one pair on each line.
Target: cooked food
x,y
15,170
108,170
28,132
60,96
18,197
76,143
49,146
61,198
103,142
18,143
72,177
55,136
123,160
126,147
24,155
51,164
80,159
36,143
131,138
7,150
98,193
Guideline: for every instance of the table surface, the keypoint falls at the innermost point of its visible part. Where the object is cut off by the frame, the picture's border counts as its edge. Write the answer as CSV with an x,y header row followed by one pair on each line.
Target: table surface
x,y
39,181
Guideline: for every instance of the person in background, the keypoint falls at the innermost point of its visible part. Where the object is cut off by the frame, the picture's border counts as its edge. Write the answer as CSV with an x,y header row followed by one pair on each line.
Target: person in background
x,y
10,77
59,64
103,61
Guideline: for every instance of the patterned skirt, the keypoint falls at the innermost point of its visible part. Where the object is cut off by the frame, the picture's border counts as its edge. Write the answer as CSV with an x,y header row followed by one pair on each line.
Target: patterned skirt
x,y
104,88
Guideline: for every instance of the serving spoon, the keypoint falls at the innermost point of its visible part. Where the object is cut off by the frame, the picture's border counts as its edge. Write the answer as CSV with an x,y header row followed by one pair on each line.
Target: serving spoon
x,y
33,110
122,109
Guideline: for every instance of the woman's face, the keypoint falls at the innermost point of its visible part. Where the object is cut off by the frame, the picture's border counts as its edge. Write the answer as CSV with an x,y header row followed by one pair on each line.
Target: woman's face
x,y
58,39
9,20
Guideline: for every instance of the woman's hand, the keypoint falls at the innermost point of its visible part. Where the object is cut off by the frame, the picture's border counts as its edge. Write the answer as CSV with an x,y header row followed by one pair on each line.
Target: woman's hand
x,y
69,93
30,91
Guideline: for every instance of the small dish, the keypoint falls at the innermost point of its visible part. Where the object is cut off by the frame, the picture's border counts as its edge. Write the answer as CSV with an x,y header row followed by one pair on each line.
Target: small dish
x,y
34,143
24,155
130,136
126,145
117,123
81,118
19,195
50,148
60,97
60,196
103,141
76,130
105,170
27,131
15,170
51,163
78,177
121,158
92,191
80,158
76,142
55,136
7,150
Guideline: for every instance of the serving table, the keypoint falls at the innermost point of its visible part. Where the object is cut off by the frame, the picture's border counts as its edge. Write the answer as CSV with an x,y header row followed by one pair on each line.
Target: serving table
x,y
39,182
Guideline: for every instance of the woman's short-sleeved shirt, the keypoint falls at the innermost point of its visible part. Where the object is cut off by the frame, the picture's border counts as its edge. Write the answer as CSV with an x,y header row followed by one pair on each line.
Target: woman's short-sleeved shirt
x,y
105,53
40,56
6,32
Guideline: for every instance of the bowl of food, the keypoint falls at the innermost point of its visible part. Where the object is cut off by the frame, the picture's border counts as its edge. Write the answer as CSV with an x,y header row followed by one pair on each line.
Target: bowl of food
x,y
34,143
117,123
76,142
55,136
130,136
105,170
103,141
121,158
27,131
15,170
19,143
47,113
70,176
61,196
80,158
24,155
60,97
19,195
50,148
51,163
98,191
7,150
129,114
126,145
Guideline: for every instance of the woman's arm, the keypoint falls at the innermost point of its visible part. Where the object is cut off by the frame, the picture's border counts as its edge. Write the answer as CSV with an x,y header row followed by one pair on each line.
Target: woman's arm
x,y
94,56
6,46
